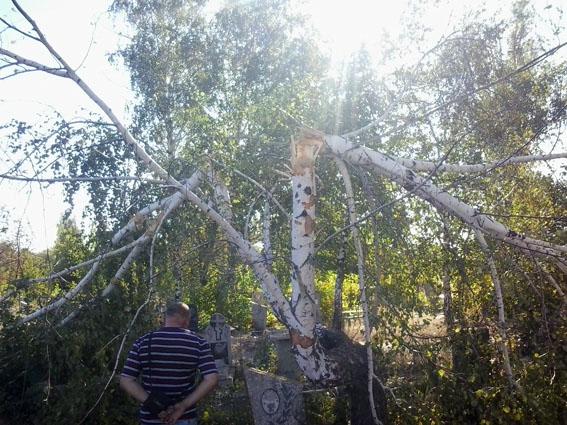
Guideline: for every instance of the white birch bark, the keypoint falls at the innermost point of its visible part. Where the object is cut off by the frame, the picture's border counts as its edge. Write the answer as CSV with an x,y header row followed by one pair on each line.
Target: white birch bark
x,y
447,294
132,225
270,285
309,355
440,199
67,71
418,165
87,279
361,284
141,242
67,297
221,196
171,203
303,298
68,270
138,219
501,313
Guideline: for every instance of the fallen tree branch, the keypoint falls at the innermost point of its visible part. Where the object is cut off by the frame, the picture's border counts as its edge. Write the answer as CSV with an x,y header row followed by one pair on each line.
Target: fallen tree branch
x,y
266,192
501,313
67,297
418,165
20,60
361,284
170,204
24,284
69,72
78,179
440,199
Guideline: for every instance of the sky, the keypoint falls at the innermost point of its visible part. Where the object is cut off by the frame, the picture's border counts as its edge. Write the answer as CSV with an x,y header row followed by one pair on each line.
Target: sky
x,y
85,34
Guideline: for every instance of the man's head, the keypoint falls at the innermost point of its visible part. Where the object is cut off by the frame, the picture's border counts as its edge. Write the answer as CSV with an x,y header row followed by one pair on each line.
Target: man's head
x,y
177,315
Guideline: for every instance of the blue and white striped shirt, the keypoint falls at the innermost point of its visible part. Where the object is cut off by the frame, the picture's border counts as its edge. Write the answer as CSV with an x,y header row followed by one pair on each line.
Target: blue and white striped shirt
x,y
176,355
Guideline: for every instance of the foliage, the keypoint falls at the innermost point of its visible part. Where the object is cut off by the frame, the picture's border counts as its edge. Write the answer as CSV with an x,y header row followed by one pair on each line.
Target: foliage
x,y
225,86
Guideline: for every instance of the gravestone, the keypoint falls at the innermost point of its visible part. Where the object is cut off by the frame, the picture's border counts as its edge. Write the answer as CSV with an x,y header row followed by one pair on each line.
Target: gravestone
x,y
287,365
259,316
218,336
274,400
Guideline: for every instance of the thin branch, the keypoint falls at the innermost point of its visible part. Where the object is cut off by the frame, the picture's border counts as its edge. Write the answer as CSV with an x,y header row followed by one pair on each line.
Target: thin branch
x,y
249,216
169,204
146,159
418,165
25,283
500,306
191,183
386,388
270,285
267,249
551,280
376,210
67,297
173,203
469,93
78,179
8,64
12,27
60,72
115,368
535,217
90,304
255,183
361,284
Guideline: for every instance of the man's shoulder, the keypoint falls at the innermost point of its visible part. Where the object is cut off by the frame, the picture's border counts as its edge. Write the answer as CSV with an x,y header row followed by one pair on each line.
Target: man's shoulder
x,y
179,333
143,338
172,333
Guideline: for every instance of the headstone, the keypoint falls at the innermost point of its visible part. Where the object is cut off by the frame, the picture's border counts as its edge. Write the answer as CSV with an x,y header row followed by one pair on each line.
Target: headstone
x,y
259,315
287,365
218,336
274,400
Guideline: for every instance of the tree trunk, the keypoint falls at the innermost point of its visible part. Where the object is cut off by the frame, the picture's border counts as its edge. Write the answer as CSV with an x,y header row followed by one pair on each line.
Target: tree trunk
x,y
323,355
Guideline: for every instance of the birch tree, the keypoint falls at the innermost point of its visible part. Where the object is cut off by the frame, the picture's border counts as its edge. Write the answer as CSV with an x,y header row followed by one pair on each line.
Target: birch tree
x,y
202,128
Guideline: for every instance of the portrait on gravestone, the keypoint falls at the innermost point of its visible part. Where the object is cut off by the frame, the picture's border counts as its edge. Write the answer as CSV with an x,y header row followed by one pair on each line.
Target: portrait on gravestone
x,y
270,401
274,400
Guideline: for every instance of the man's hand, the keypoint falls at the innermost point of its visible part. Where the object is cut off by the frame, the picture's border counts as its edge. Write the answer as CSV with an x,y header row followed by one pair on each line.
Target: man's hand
x,y
173,413
163,415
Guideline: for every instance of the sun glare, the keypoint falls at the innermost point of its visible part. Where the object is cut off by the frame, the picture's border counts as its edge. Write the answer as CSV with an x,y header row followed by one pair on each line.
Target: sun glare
x,y
346,26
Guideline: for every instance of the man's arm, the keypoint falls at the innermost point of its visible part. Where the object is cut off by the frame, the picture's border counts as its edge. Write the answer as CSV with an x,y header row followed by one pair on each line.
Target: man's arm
x,y
133,387
208,383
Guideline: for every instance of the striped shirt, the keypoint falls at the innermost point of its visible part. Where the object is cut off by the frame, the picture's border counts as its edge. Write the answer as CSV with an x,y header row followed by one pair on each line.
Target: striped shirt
x,y
176,356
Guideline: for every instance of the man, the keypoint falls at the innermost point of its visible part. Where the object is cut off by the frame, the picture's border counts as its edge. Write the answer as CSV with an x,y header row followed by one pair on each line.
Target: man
x,y
168,360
